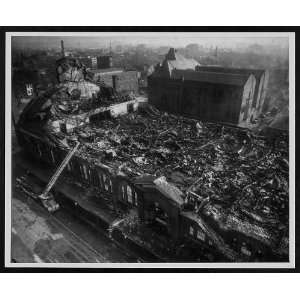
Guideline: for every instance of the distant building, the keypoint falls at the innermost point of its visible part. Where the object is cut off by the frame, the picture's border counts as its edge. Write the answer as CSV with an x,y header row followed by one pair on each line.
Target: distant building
x,y
94,62
175,61
103,72
104,62
119,79
175,86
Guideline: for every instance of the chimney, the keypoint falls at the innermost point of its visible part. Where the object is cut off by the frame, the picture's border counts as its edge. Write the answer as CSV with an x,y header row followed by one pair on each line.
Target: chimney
x,y
62,48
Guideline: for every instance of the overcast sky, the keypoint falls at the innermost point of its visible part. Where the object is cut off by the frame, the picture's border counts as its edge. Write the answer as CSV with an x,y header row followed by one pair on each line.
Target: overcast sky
x,y
155,39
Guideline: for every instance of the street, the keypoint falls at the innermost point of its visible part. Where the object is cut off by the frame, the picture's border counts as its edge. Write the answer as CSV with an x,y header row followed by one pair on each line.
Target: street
x,y
38,236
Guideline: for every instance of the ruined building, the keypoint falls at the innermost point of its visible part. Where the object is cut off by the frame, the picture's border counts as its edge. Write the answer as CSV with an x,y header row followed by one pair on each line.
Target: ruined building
x,y
182,86
189,184
219,190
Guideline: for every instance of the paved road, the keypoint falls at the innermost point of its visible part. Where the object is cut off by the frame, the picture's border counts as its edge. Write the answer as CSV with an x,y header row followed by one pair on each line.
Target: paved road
x,y
38,236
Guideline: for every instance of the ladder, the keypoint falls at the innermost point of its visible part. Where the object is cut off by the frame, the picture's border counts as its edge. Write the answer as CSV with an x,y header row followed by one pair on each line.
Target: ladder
x,y
44,196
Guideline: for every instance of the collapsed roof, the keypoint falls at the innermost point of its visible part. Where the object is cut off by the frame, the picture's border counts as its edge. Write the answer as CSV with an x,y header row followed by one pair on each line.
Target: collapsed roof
x,y
241,179
235,179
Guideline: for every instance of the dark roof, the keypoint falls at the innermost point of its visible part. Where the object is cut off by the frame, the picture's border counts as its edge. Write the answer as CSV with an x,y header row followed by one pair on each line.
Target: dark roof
x,y
217,69
144,180
210,77
108,70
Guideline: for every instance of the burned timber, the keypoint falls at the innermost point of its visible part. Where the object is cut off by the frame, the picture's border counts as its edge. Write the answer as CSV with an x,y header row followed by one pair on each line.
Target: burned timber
x,y
180,186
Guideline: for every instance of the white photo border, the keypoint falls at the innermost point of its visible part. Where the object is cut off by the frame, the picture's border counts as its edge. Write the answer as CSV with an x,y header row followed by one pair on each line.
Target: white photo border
x,y
292,162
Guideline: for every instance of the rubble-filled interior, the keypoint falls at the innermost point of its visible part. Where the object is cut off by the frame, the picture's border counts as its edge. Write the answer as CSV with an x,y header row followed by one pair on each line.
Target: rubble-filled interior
x,y
230,174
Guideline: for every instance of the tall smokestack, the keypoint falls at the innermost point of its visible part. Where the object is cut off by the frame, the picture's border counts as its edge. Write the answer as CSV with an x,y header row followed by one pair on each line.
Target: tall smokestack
x,y
62,48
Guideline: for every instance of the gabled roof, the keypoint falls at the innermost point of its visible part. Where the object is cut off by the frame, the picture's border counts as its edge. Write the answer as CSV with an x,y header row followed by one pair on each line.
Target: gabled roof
x,y
218,69
177,61
174,61
210,77
106,71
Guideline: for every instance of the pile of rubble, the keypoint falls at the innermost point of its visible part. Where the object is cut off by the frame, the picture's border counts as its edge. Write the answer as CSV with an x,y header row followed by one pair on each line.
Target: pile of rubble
x,y
229,175
207,161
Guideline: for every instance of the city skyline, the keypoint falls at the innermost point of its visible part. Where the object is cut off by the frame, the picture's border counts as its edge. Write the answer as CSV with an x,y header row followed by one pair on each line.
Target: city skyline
x,y
175,39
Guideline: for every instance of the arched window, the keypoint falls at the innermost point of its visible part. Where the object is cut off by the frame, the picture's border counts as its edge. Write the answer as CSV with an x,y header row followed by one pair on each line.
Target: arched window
x,y
107,183
100,180
129,194
134,197
123,191
85,174
191,230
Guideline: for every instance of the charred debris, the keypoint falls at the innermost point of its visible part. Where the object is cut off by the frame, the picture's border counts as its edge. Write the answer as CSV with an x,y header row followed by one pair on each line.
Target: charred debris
x,y
213,186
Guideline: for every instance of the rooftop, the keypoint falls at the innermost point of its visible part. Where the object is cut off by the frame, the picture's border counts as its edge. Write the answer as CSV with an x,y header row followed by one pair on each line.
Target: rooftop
x,y
211,160
237,172
210,77
177,61
218,69
108,70
174,61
